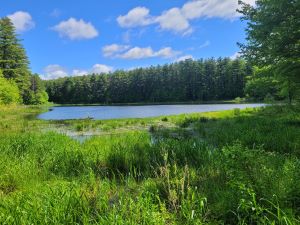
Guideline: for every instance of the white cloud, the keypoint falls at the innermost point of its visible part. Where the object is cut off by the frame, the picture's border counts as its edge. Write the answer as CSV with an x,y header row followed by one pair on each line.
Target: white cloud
x,y
101,68
137,53
53,72
147,52
77,72
235,55
22,21
213,8
173,20
111,50
167,52
76,29
183,58
138,16
178,19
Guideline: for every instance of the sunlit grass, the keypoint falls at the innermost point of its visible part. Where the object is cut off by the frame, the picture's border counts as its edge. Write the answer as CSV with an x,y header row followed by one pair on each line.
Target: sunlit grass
x,y
232,167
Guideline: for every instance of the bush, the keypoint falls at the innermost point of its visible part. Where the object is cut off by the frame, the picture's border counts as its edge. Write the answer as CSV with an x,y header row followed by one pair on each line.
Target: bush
x,y
9,92
165,119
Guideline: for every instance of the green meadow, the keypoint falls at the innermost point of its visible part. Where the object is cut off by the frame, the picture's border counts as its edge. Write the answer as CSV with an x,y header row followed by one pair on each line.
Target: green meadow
x,y
229,167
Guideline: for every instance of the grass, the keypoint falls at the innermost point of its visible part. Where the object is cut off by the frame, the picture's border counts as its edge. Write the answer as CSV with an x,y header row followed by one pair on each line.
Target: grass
x,y
230,167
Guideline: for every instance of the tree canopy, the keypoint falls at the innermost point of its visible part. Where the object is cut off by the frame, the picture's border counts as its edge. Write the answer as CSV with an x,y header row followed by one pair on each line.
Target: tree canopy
x,y
262,84
273,38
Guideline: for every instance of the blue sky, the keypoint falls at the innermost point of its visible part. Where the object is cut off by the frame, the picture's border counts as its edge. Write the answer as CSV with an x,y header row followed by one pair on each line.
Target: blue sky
x,y
64,37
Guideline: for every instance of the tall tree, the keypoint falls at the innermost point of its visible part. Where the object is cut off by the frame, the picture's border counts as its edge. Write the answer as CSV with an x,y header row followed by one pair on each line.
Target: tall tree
x,y
36,93
273,38
13,60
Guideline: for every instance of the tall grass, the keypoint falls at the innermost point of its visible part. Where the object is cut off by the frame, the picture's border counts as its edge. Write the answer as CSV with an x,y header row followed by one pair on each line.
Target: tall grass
x,y
212,168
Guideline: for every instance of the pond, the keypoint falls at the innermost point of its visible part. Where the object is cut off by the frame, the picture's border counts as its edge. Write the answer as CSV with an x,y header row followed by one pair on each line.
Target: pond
x,y
143,111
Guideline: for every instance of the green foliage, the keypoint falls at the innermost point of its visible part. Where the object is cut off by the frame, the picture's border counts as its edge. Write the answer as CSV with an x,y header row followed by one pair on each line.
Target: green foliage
x,y
289,71
262,84
41,98
36,94
272,32
273,40
9,92
201,80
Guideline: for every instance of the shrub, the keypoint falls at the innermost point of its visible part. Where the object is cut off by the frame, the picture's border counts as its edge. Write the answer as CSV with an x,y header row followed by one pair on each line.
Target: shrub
x,y
164,119
9,92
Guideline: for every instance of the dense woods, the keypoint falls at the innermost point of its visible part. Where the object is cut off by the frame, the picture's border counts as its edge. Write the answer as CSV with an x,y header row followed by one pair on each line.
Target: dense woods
x,y
201,80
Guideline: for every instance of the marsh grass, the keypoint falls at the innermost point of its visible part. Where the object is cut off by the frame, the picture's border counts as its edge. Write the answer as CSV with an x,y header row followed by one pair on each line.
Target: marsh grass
x,y
209,168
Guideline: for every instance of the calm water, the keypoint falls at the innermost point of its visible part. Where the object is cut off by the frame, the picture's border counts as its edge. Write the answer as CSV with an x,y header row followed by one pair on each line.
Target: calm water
x,y
116,112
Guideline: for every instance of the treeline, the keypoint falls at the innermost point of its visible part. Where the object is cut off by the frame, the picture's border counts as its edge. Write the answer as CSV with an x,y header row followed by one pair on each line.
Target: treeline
x,y
189,80
17,84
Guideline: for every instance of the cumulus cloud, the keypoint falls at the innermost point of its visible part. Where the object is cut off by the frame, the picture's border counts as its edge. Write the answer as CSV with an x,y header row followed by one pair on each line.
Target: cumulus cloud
x,y
22,21
76,29
138,16
137,53
174,20
167,52
178,19
147,52
212,8
111,50
183,58
53,72
77,72
101,68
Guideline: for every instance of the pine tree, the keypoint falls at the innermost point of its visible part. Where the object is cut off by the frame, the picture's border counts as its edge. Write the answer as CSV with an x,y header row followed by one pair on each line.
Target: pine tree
x,y
13,60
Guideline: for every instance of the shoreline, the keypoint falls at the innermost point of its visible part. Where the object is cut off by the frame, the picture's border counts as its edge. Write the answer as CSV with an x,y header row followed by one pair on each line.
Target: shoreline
x,y
158,103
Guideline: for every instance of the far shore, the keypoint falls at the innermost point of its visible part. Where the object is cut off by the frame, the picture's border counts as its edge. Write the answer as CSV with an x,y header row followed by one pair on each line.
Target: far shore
x,y
160,103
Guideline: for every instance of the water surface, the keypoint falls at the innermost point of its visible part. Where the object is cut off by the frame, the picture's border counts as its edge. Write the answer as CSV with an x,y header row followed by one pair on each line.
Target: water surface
x,y
117,112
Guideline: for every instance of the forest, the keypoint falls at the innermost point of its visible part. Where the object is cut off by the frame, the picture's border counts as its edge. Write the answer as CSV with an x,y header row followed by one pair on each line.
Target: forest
x,y
186,81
